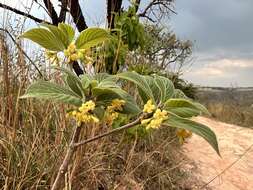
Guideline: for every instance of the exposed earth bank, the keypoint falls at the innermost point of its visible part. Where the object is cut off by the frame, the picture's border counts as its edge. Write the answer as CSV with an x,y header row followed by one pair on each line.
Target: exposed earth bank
x,y
204,164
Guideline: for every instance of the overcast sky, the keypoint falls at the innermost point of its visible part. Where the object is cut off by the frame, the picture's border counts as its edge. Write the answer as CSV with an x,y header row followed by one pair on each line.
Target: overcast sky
x,y
222,32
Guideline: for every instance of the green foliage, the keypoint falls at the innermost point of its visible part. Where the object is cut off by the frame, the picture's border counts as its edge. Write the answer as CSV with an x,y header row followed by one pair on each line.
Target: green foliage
x,y
60,38
195,127
103,93
50,91
44,38
140,82
184,108
91,37
133,33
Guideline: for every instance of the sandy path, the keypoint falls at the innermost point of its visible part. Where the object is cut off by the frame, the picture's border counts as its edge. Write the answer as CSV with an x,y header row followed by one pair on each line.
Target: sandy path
x,y
204,163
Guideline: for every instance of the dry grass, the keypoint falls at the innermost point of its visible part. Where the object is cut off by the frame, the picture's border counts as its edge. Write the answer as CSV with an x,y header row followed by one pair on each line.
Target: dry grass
x,y
34,136
232,106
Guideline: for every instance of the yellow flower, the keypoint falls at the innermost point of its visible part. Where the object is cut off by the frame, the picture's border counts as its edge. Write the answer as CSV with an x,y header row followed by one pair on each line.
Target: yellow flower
x,y
82,115
111,111
183,134
73,57
156,120
71,53
118,104
149,107
87,106
72,48
160,114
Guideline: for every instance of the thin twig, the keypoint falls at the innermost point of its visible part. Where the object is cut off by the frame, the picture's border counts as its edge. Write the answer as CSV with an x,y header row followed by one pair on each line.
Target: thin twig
x,y
70,152
124,127
22,13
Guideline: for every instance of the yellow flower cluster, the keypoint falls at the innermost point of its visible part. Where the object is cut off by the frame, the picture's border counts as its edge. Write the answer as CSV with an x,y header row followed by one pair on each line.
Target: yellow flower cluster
x,y
158,117
155,122
73,54
183,134
149,107
52,56
112,110
83,115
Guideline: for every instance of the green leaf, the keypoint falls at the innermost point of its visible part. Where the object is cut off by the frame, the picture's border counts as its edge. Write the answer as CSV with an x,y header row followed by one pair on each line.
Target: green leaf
x,y
44,38
166,87
73,81
185,112
54,92
86,80
105,95
59,34
179,94
184,107
140,81
68,31
154,88
91,37
106,80
197,128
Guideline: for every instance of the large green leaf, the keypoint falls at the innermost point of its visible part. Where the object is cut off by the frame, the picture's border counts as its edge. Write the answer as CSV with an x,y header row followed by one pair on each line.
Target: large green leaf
x,y
54,92
185,107
179,94
105,95
197,128
140,81
73,81
59,34
68,31
86,80
45,38
106,80
166,87
154,88
91,37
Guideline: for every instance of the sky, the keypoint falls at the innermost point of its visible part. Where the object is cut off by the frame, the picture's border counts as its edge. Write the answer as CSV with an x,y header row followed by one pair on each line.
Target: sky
x,y
221,30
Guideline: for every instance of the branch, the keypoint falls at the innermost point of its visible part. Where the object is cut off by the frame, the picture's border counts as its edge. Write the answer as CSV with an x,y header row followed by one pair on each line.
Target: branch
x,y
124,127
76,13
51,11
62,16
113,7
22,13
161,4
137,5
70,152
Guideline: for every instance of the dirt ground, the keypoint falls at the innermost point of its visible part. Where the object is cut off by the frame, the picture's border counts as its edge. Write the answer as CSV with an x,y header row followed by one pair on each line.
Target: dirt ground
x,y
204,164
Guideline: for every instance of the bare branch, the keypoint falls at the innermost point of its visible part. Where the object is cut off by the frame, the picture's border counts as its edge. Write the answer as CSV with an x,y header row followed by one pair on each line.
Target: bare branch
x,y
62,16
64,166
124,127
22,13
51,11
76,13
157,8
113,7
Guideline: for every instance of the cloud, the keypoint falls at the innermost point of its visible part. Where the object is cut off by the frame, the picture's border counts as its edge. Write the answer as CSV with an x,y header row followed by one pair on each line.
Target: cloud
x,y
222,35
222,72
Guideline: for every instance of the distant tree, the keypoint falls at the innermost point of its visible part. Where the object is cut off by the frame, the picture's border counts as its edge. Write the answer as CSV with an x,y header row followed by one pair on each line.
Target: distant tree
x,y
163,50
